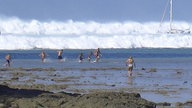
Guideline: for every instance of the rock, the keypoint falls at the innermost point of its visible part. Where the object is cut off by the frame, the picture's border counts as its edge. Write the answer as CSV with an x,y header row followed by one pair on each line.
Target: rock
x,y
164,104
25,98
143,69
2,105
178,104
188,103
153,70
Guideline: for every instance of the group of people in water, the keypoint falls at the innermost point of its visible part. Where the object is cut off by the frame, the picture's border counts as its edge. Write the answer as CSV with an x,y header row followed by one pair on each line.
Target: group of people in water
x,y
97,53
43,55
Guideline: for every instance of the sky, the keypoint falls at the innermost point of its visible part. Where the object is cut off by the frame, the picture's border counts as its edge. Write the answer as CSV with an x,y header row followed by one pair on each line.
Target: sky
x,y
94,10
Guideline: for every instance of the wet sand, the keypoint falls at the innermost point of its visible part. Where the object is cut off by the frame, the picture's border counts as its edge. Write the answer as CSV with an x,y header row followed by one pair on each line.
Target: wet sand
x,y
96,87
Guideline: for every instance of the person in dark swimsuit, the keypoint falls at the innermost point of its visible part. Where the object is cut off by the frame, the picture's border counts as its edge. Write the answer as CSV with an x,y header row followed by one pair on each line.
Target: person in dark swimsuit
x,y
59,55
97,54
81,57
8,60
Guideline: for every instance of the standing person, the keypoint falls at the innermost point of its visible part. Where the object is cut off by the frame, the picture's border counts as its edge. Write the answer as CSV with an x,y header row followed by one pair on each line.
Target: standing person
x,y
81,57
89,56
8,60
59,55
97,54
43,56
130,63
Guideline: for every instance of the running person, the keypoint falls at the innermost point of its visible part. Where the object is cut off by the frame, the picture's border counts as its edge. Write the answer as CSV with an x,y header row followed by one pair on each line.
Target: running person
x,y
8,60
89,56
97,54
59,55
81,57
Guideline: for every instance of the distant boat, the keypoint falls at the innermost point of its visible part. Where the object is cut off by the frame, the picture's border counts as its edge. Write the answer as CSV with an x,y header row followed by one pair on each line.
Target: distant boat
x,y
171,29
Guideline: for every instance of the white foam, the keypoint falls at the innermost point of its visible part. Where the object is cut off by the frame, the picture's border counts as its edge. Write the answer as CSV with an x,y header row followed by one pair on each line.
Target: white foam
x,y
19,34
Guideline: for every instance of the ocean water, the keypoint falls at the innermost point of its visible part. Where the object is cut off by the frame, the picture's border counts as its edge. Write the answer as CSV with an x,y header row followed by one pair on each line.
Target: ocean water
x,y
111,58
144,57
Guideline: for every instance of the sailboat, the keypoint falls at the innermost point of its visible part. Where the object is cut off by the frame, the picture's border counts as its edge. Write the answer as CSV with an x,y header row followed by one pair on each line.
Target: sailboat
x,y
171,29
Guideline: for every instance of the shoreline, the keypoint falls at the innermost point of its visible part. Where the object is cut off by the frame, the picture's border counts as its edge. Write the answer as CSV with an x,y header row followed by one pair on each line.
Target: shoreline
x,y
21,98
88,81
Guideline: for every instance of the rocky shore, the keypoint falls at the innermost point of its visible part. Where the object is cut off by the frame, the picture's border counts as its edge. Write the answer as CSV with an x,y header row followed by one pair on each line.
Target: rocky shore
x,y
26,98
92,88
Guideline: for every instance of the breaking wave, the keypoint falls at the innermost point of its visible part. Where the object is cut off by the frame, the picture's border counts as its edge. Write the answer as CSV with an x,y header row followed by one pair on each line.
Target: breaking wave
x,y
20,34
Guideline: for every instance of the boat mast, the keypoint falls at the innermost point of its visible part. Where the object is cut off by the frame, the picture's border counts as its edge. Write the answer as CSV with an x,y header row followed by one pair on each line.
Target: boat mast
x,y
171,14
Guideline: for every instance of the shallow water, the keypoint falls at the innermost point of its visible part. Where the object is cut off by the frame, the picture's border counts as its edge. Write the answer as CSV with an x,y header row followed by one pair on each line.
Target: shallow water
x,y
161,75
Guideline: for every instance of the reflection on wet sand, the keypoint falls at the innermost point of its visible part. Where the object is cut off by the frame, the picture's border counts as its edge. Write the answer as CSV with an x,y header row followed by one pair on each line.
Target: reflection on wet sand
x,y
130,80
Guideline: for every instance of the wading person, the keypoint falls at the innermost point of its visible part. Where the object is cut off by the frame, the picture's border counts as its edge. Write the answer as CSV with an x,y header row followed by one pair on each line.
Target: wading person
x,y
89,56
81,57
59,55
130,63
97,54
43,56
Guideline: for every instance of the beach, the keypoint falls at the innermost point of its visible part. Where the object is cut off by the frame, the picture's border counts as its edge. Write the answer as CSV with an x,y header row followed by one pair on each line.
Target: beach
x,y
161,80
93,84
